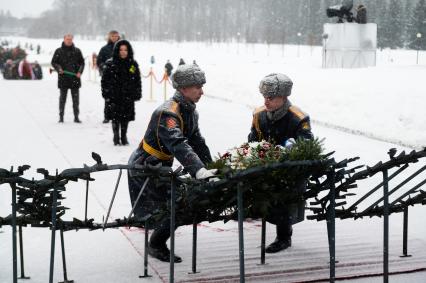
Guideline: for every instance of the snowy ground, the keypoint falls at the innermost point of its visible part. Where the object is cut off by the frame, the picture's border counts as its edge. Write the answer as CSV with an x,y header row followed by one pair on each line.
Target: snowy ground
x,y
385,103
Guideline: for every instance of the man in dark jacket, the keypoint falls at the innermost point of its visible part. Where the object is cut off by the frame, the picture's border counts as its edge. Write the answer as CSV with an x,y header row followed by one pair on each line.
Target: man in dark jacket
x,y
104,54
69,63
38,72
280,123
172,132
361,14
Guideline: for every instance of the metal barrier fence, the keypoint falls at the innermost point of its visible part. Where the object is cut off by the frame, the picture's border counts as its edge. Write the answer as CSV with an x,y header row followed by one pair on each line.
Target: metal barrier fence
x,y
38,201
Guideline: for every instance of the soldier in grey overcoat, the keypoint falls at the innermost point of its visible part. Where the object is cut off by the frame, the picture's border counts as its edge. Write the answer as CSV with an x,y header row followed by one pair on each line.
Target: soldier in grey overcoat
x,y
281,123
172,133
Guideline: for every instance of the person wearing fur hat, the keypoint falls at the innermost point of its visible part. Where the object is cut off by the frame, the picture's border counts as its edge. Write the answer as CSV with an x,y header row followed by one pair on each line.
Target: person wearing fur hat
x,y
172,133
281,123
121,87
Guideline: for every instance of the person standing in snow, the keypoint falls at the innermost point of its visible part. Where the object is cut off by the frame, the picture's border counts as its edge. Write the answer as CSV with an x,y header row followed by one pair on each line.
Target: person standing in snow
x,y
361,14
280,122
172,132
104,54
169,68
121,87
38,72
69,63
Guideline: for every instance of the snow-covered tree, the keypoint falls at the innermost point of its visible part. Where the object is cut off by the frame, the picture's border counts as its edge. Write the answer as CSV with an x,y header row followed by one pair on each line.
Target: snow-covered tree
x,y
418,25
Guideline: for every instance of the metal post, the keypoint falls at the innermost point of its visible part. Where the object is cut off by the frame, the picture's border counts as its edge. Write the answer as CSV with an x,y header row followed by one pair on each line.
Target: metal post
x,y
113,197
417,60
15,254
87,197
21,252
138,198
418,37
331,226
151,81
240,230
172,229
405,234
194,247
145,257
165,78
52,244
385,227
262,243
64,263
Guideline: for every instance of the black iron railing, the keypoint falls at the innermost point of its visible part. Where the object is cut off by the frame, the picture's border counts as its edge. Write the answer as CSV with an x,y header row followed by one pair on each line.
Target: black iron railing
x,y
38,202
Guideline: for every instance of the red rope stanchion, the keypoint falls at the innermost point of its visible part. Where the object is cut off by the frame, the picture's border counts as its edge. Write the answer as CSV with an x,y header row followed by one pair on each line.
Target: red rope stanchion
x,y
155,78
169,81
165,79
147,76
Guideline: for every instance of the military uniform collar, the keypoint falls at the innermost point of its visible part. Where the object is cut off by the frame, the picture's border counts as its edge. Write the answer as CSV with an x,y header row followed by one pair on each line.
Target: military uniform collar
x,y
187,105
279,113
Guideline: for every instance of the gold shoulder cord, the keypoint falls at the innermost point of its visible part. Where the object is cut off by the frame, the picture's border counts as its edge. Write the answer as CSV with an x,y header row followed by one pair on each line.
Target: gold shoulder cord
x,y
156,132
161,154
296,111
256,124
175,109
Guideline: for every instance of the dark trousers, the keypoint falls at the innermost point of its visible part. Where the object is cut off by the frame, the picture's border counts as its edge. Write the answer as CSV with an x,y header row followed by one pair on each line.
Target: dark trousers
x,y
280,216
161,234
105,110
153,197
63,99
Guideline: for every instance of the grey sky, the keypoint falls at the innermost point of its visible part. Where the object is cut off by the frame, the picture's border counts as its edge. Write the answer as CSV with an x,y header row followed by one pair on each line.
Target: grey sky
x,y
21,8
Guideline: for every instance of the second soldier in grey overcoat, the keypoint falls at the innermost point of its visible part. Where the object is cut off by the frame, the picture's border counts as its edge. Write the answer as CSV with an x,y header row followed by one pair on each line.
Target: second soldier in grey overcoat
x,y
280,123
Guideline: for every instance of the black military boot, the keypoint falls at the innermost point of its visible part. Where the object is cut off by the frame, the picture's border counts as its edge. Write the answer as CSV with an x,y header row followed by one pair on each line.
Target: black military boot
x,y
283,239
162,253
61,119
76,120
278,245
124,126
157,245
115,130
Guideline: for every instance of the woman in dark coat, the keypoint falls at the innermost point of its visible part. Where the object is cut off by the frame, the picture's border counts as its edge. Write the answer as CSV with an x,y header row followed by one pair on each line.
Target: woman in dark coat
x,y
121,87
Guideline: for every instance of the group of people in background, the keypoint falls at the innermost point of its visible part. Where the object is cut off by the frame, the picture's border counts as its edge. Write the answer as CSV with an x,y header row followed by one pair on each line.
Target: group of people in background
x,y
121,83
15,66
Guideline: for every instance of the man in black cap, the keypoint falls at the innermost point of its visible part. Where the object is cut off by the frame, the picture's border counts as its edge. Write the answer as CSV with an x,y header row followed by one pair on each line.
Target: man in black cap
x,y
280,123
172,132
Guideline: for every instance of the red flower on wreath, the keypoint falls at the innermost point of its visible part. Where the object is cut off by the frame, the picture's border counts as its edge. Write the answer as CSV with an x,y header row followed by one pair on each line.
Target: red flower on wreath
x,y
226,155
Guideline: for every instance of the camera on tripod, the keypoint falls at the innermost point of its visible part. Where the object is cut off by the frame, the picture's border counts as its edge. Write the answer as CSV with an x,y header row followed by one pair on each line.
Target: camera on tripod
x,y
342,11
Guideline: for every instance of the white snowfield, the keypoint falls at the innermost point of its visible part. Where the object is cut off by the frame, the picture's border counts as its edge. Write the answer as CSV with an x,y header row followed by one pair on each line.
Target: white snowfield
x,y
384,103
